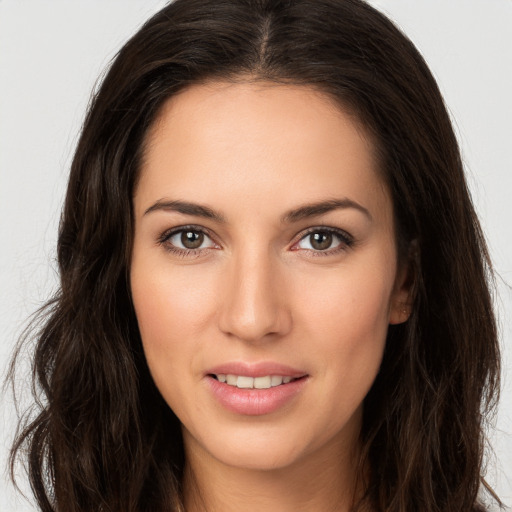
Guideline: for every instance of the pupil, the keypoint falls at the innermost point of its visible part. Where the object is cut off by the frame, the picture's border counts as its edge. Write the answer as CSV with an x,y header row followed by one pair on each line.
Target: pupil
x,y
321,241
192,239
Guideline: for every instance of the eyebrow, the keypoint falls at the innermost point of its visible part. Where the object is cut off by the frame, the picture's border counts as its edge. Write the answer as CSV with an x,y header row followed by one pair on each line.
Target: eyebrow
x,y
187,209
295,215
322,207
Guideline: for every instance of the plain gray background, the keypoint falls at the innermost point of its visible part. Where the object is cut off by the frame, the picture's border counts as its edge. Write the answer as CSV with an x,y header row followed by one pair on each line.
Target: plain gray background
x,y
52,52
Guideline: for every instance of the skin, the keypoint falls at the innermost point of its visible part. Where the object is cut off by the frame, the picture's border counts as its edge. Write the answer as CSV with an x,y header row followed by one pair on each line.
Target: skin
x,y
257,289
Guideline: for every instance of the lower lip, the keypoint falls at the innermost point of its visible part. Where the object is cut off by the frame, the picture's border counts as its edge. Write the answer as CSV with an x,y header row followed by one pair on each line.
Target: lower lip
x,y
255,402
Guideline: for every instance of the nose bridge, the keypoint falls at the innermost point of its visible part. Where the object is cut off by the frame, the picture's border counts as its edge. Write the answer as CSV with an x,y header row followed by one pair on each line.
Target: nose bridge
x,y
254,305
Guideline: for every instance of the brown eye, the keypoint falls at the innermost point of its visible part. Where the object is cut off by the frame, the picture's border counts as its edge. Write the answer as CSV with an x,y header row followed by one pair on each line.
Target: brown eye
x,y
320,241
192,239
187,239
326,240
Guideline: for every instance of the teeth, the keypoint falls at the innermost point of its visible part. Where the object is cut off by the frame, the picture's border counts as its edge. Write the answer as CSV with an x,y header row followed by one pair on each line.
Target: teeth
x,y
262,382
276,380
244,382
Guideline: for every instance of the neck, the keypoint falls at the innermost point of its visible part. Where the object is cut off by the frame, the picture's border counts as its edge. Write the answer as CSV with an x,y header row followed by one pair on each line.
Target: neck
x,y
325,480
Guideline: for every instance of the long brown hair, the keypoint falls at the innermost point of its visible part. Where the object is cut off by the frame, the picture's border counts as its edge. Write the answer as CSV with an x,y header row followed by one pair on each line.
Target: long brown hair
x,y
103,438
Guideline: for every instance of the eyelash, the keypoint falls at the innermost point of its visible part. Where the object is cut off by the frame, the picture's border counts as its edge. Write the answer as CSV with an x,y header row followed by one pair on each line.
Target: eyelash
x,y
346,241
164,238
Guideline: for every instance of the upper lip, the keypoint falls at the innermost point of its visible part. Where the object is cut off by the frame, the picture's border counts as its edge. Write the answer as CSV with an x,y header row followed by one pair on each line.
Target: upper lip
x,y
260,369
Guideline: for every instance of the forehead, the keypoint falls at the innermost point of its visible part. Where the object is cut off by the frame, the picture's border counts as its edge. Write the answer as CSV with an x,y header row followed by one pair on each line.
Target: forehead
x,y
285,144
224,111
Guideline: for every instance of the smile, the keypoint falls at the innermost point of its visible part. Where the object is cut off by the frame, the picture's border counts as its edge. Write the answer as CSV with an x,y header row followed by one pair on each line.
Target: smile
x,y
245,382
247,395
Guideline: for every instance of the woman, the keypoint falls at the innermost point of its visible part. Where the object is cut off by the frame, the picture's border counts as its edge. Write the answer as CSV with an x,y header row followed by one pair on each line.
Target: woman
x,y
273,283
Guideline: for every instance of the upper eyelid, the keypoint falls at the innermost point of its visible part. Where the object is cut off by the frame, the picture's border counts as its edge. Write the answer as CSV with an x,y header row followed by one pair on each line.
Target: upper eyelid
x,y
337,231
168,233
190,227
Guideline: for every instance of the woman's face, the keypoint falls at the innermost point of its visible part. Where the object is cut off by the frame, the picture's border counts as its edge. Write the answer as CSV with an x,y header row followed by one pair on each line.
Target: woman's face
x,y
264,255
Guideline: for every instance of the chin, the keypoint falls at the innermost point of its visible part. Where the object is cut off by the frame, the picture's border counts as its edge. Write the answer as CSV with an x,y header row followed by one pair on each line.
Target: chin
x,y
249,448
258,458
261,446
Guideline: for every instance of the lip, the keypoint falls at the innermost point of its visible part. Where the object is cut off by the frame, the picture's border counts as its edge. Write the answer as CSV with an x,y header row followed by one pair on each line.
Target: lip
x,y
255,402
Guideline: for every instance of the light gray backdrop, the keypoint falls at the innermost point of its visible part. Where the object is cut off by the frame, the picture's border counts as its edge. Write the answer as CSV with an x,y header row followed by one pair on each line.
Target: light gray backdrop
x,y
51,53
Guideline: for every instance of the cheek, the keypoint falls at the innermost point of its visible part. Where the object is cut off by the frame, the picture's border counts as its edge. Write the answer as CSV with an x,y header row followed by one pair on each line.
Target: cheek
x,y
347,303
348,315
171,313
170,304
172,309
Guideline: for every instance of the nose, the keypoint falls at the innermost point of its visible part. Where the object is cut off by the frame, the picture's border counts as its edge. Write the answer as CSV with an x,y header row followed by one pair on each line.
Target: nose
x,y
254,306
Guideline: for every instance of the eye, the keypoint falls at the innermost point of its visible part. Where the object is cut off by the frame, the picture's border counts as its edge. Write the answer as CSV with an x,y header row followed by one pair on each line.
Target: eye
x,y
186,239
326,240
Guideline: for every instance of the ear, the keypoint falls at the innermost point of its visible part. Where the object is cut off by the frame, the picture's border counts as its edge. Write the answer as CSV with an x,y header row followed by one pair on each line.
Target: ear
x,y
403,295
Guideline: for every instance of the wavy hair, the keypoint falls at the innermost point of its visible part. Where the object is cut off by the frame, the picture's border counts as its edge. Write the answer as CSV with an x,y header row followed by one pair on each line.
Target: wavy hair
x,y
103,438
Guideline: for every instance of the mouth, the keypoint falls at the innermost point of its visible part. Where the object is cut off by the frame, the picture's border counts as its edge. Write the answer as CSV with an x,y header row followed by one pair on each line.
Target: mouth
x,y
255,396
255,389
246,382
